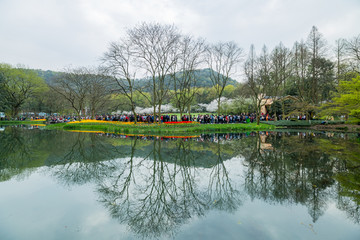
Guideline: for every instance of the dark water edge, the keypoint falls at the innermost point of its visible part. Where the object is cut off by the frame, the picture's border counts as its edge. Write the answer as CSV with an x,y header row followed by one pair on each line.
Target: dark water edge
x,y
266,185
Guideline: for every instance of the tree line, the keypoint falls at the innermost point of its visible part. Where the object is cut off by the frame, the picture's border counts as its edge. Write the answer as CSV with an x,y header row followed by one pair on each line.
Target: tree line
x,y
167,61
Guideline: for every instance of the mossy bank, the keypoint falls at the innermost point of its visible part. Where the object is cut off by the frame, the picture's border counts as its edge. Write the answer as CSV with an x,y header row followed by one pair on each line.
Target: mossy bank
x,y
174,129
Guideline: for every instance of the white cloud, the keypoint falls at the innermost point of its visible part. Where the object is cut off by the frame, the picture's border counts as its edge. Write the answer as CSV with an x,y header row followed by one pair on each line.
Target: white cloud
x,y
53,34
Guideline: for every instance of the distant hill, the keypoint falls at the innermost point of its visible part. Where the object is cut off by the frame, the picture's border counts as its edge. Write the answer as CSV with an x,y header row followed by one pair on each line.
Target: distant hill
x,y
47,75
202,78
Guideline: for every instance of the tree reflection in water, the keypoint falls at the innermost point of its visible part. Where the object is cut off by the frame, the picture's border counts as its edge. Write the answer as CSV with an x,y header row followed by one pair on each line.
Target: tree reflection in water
x,y
155,185
155,197
292,171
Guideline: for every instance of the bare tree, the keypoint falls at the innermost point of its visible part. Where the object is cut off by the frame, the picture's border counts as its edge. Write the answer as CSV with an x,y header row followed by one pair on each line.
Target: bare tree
x,y
98,91
353,49
222,59
183,73
256,89
317,48
73,86
340,59
154,48
119,63
281,72
300,63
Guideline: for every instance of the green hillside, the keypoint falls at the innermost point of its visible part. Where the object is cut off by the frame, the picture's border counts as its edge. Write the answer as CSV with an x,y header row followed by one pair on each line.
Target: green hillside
x,y
202,78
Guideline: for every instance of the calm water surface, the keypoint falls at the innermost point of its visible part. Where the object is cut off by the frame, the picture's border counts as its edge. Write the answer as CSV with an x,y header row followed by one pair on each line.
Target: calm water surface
x,y
267,185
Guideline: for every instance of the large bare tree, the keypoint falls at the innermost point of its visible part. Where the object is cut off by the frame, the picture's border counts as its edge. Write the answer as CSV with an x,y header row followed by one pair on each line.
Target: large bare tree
x,y
223,59
154,47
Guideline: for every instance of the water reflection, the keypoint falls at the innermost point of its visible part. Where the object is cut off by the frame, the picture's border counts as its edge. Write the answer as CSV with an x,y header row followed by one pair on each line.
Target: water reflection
x,y
157,194
156,184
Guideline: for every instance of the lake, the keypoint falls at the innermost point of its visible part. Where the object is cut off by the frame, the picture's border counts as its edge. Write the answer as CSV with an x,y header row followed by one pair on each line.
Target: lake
x,y
266,185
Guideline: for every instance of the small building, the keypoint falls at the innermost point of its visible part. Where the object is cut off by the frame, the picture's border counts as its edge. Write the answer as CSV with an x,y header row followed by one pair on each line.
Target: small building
x,y
267,101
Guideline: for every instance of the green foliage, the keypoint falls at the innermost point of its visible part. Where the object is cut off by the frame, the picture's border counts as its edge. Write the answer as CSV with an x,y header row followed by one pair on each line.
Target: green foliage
x,y
18,85
229,91
205,95
346,101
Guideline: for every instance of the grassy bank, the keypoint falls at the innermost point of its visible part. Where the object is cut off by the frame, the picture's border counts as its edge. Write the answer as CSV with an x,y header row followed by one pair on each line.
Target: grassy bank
x,y
21,122
352,126
300,123
174,129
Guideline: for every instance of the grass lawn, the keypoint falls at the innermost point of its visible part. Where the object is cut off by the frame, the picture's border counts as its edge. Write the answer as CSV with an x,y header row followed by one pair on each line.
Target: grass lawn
x,y
175,129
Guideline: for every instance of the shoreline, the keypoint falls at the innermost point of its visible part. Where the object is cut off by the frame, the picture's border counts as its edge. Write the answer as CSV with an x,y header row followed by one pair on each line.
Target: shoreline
x,y
176,129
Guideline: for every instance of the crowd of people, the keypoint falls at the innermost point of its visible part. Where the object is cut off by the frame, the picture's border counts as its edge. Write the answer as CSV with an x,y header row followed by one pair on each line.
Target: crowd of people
x,y
150,118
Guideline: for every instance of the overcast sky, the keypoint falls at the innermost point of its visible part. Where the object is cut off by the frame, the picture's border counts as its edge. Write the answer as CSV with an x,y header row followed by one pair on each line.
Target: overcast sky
x,y
53,34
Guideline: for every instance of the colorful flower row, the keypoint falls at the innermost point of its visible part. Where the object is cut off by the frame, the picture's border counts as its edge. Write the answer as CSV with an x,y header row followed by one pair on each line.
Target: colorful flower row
x,y
102,121
126,123
38,120
182,122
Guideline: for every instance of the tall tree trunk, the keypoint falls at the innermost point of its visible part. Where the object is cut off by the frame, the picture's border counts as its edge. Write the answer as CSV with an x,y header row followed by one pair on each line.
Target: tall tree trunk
x,y
133,110
258,114
189,111
79,114
92,114
154,113
218,102
14,112
160,112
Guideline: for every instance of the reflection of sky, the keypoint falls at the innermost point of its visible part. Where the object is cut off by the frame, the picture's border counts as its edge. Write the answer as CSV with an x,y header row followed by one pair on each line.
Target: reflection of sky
x,y
37,207
257,220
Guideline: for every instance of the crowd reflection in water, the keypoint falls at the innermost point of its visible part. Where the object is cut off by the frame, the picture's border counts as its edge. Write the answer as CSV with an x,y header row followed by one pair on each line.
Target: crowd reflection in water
x,y
155,184
214,137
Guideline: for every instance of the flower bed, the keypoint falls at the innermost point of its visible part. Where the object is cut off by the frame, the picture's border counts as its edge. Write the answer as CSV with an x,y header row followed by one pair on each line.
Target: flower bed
x,y
182,122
